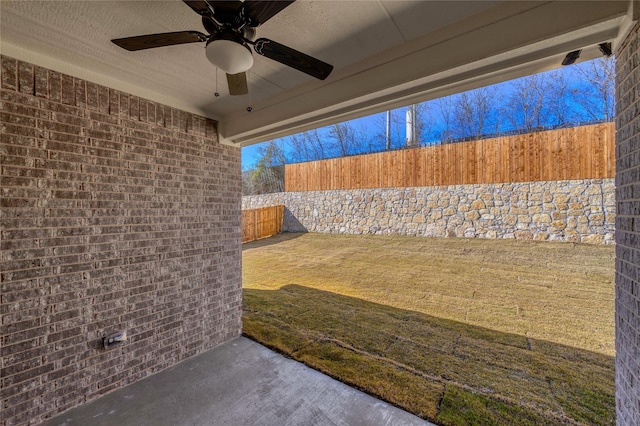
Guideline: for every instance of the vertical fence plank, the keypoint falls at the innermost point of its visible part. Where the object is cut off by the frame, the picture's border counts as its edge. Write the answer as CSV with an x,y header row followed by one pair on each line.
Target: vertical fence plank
x,y
437,164
573,159
248,226
597,143
610,152
255,224
420,170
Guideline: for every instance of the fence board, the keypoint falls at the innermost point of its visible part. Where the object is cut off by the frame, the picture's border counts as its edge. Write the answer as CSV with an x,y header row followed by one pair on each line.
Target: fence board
x,y
610,153
261,223
248,225
575,153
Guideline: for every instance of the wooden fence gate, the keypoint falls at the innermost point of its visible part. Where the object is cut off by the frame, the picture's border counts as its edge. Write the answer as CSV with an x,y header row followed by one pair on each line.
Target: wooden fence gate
x,y
261,223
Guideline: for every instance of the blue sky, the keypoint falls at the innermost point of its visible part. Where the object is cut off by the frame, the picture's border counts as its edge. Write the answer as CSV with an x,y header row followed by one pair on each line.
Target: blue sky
x,y
250,154
369,124
371,128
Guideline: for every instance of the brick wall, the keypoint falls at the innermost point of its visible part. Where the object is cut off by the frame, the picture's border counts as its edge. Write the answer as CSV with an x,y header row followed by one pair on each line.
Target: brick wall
x,y
117,214
628,231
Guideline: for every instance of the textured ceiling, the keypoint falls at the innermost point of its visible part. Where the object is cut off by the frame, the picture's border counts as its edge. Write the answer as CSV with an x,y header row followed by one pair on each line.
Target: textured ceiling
x,y
380,51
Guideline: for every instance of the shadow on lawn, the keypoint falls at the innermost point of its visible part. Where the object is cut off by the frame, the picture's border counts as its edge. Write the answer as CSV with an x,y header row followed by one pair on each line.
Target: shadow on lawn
x,y
274,239
445,371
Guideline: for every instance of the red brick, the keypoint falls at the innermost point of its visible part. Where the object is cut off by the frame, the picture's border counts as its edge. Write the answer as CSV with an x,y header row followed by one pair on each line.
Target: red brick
x,y
12,129
68,90
80,87
18,98
92,96
151,112
41,82
134,108
55,86
103,99
9,71
29,111
27,374
71,119
56,107
59,127
114,102
123,109
26,78
30,394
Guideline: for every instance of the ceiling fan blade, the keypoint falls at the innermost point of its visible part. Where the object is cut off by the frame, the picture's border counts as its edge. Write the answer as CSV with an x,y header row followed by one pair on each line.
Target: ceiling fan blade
x,y
150,41
260,11
201,7
225,4
237,84
291,57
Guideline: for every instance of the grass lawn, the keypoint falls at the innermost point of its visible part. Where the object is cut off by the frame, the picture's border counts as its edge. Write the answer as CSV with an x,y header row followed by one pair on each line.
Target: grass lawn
x,y
457,331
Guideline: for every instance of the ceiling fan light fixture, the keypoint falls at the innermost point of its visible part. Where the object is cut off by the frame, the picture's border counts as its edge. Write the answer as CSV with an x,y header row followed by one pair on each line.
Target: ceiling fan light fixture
x,y
230,56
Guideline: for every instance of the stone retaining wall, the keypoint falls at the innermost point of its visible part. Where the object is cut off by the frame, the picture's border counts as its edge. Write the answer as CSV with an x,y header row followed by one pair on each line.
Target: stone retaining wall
x,y
575,210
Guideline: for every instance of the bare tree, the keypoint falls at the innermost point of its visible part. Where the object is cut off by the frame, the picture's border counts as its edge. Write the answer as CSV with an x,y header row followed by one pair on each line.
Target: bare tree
x,y
268,174
560,112
446,107
300,149
425,122
308,146
344,139
539,101
248,187
597,97
420,123
396,123
348,138
527,105
473,111
380,136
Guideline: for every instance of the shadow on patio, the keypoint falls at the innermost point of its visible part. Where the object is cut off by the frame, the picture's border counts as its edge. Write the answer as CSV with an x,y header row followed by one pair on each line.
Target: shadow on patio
x,y
442,370
237,383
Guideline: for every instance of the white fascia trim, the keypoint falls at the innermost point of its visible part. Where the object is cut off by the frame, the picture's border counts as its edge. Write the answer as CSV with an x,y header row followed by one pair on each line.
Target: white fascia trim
x,y
368,91
496,69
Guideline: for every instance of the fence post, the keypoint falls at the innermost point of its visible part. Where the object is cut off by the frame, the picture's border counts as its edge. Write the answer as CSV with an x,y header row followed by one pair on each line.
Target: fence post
x,y
255,224
278,229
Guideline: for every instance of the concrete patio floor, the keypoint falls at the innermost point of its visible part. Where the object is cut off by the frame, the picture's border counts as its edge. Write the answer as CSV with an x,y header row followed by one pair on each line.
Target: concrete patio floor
x,y
238,383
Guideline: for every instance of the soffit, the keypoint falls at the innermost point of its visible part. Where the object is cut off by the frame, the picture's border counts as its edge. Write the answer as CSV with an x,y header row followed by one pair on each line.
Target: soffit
x,y
385,53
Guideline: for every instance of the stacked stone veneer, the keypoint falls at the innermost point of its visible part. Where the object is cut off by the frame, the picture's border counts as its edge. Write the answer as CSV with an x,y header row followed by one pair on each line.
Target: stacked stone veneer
x,y
117,213
628,229
576,210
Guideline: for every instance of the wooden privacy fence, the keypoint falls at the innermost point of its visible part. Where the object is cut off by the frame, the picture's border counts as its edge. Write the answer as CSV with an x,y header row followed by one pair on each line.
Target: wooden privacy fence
x,y
585,152
261,223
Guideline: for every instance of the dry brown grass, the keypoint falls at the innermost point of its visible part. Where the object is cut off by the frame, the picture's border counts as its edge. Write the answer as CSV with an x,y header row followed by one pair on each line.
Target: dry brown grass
x,y
457,331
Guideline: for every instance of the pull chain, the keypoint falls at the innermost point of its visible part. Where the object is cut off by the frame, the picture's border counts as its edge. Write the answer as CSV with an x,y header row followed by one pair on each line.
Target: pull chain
x,y
216,94
249,108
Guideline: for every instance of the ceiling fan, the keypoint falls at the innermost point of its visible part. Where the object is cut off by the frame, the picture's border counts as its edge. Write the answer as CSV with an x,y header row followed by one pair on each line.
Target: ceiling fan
x,y
232,28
